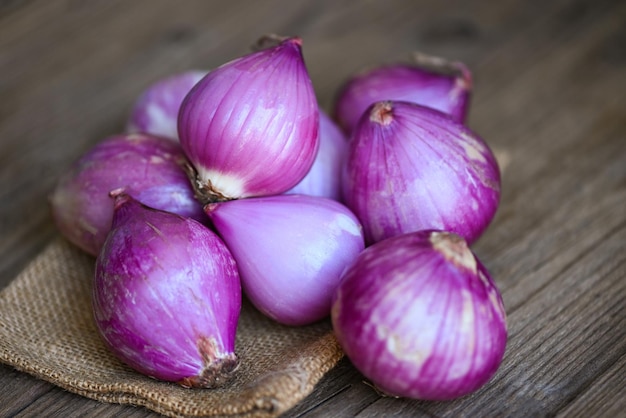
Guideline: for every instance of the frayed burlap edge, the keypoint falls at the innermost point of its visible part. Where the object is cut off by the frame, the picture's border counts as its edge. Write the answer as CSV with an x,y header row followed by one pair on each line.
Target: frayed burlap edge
x,y
47,330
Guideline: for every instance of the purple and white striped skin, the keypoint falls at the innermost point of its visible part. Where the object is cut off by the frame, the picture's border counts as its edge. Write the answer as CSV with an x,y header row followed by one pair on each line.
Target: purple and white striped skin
x,y
410,167
439,84
156,110
250,127
324,177
420,316
147,167
167,296
290,250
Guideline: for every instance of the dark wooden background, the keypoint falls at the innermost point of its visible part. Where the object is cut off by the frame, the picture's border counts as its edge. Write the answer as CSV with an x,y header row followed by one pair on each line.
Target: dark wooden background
x,y
549,97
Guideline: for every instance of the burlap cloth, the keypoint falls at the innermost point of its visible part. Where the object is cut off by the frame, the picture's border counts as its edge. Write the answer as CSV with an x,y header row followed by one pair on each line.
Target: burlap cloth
x,y
47,330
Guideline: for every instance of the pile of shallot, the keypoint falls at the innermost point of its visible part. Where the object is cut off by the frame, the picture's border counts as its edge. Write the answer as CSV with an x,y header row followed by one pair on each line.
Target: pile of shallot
x,y
232,182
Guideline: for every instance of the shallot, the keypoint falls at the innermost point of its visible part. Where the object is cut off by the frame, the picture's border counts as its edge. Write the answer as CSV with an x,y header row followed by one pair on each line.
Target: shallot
x,y
410,167
290,250
147,167
250,127
429,81
156,110
167,296
324,177
420,316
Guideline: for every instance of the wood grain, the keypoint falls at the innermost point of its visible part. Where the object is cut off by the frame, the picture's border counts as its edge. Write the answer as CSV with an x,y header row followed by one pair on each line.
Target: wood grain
x,y
603,397
549,95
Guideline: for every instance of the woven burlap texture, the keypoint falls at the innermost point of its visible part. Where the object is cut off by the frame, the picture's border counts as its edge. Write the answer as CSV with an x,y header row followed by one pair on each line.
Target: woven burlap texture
x,y
47,330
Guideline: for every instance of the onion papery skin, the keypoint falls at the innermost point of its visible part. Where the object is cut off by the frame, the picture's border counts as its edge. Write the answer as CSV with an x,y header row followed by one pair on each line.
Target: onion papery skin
x,y
324,177
156,110
410,168
167,296
147,167
430,81
420,316
251,126
290,250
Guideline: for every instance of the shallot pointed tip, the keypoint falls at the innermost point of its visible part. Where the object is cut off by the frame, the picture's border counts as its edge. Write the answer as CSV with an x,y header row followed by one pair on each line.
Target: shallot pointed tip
x,y
119,196
272,39
464,77
454,248
296,40
381,113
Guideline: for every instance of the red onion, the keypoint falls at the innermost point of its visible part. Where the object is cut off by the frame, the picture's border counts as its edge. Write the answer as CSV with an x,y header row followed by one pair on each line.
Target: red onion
x,y
410,167
250,127
430,81
420,316
156,109
167,296
324,177
147,167
290,250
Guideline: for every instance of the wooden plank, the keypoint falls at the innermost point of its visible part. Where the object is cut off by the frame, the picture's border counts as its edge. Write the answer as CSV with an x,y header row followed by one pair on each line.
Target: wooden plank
x,y
27,389
605,397
542,135
559,235
400,408
58,403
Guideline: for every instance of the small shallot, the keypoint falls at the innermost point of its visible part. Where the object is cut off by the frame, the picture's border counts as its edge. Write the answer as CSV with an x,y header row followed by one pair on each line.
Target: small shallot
x,y
167,296
429,81
420,316
147,167
410,167
156,110
250,127
324,177
290,250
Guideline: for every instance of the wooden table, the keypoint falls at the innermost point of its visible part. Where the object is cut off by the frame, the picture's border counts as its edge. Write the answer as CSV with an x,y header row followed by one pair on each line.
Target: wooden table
x,y
549,97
